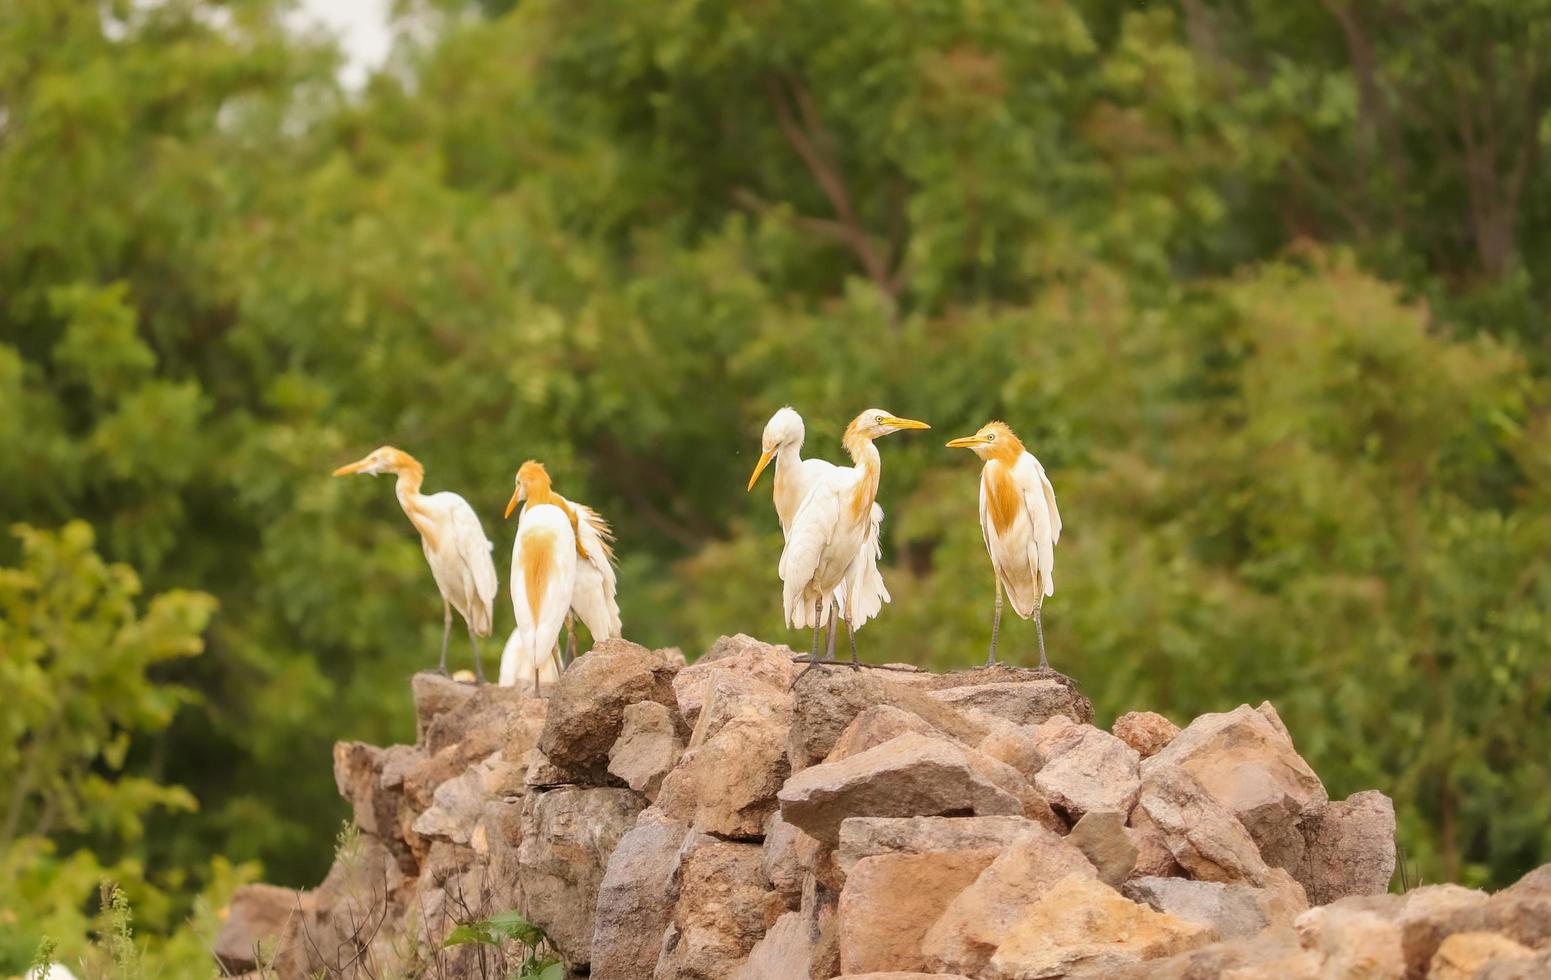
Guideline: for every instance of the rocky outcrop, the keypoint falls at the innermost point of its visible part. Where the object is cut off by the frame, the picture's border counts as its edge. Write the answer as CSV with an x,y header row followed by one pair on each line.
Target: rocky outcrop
x,y
741,818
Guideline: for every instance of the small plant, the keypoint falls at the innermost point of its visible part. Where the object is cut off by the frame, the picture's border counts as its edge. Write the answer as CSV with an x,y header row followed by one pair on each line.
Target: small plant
x,y
118,938
44,959
540,960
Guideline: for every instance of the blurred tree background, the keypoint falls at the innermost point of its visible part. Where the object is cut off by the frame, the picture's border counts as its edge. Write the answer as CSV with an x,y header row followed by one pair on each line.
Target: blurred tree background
x,y
1264,285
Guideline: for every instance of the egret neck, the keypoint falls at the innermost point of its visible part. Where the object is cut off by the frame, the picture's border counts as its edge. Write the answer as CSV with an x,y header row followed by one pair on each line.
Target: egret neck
x,y
870,465
410,476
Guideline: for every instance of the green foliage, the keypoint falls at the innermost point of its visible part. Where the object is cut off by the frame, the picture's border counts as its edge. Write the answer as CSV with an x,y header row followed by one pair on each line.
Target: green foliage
x,y
538,958
1262,284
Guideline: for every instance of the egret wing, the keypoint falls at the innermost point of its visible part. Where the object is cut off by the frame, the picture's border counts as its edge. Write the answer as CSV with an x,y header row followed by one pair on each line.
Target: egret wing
x,y
594,597
812,528
473,549
1032,487
1050,501
866,591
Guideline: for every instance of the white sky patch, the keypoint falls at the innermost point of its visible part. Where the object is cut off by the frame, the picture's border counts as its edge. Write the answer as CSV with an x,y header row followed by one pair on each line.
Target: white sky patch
x,y
362,29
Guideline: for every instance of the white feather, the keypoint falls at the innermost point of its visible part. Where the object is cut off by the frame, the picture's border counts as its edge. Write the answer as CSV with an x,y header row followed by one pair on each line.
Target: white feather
x,y
540,618
461,562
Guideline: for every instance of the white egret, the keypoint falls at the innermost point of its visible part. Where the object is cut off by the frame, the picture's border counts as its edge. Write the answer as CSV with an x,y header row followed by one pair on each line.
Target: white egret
x,y
544,560
535,678
1020,523
454,543
831,525
862,595
594,596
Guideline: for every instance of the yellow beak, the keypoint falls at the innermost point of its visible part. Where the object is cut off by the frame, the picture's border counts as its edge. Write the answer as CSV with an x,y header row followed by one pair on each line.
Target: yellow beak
x,y
899,423
964,442
764,461
355,467
511,505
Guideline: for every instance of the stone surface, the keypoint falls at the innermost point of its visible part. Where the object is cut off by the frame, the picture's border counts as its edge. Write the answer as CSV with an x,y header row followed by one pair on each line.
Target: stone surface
x,y
1206,839
1009,743
1358,943
1089,769
636,898
863,837
1231,911
800,946
724,906
890,900
648,747
1145,731
873,726
738,656
825,701
727,782
1102,837
976,922
1349,848
1153,856
568,836
1463,954
1246,762
587,707
253,923
1025,703
909,775
1082,927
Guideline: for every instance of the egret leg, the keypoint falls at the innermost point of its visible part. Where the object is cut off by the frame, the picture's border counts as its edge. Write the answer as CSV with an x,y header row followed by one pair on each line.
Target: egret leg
x,y
996,625
570,633
479,668
829,652
1039,630
818,612
446,632
851,632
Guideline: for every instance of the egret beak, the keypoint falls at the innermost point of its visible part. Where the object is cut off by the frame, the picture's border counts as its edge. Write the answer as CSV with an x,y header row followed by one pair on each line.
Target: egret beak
x,y
898,423
967,442
511,505
356,467
764,461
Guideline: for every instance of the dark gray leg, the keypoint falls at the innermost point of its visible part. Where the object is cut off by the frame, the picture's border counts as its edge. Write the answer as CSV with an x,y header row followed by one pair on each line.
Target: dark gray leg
x,y
570,633
479,668
818,613
446,632
1039,630
996,625
855,662
829,652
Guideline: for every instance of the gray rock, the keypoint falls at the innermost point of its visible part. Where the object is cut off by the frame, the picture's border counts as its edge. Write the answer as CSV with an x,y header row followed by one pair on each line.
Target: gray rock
x,y
1089,769
1232,911
1102,837
863,837
1349,848
636,898
649,746
1022,703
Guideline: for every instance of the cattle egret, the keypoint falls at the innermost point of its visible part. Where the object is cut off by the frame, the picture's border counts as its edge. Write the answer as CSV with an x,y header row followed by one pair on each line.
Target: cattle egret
x,y
533,678
544,560
594,597
454,542
832,524
863,594
1020,523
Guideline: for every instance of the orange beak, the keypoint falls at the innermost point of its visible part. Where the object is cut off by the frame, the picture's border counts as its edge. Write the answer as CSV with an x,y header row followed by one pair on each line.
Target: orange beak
x,y
894,422
511,505
355,467
764,461
966,442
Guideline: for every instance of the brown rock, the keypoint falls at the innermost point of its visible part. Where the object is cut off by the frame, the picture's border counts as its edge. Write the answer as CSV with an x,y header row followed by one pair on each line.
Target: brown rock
x,y
785,862
568,836
732,656
874,726
1203,836
1273,954
799,946
324,933
1349,848
437,696
649,745
1088,770
1022,703
723,909
1153,857
863,837
636,898
1009,743
1103,838
1230,911
1353,943
1082,927
909,775
1248,764
255,919
1145,731
726,784
976,922
1522,915
587,707
1463,954
825,701
1537,967
890,901
903,975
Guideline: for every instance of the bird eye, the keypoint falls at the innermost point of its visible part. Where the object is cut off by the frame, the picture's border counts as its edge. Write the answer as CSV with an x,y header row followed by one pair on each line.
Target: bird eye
x,y
990,437
877,419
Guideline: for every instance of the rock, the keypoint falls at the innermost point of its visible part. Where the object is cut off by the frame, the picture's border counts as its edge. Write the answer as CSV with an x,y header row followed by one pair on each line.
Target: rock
x,y
1353,943
1089,770
1520,914
909,775
456,807
587,706
724,907
254,921
649,745
1204,837
1230,911
1463,954
1537,967
1082,927
540,773
358,775
636,898
365,880
1349,848
825,701
976,922
890,900
435,697
1153,857
727,782
568,836
736,656
903,975
797,947
874,726
1022,703
1102,837
1009,743
784,864
1145,731
1248,764
1273,954
863,837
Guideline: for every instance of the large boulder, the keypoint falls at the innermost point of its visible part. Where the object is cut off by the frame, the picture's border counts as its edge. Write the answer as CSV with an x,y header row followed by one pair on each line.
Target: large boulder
x,y
824,702
587,707
650,744
1083,928
737,656
724,907
890,900
726,784
863,837
1230,911
976,922
636,898
1086,769
1020,702
1105,840
252,926
909,775
568,836
1349,848
1245,761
